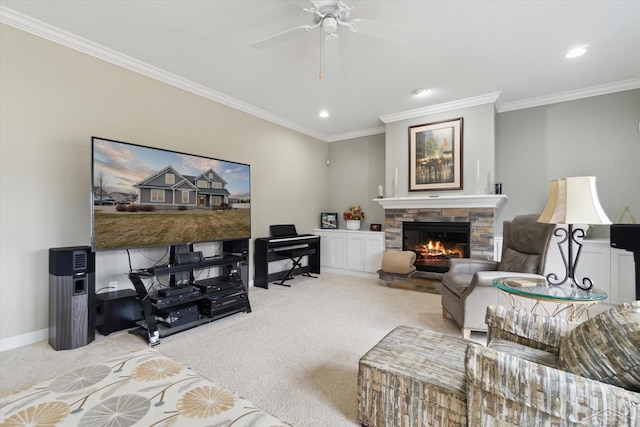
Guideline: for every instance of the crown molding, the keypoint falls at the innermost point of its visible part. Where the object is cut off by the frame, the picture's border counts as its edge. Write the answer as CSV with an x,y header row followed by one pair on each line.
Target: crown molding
x,y
489,98
570,95
357,134
56,35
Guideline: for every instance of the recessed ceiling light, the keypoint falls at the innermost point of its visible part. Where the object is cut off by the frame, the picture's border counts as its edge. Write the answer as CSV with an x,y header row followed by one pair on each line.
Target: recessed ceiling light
x,y
323,114
419,91
577,51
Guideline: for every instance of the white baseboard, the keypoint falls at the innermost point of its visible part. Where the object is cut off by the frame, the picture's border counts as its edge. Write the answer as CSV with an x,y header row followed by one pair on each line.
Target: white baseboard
x,y
33,337
346,272
24,339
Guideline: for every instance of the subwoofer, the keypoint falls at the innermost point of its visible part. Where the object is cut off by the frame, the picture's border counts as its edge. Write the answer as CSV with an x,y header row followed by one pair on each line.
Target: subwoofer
x,y
72,309
117,310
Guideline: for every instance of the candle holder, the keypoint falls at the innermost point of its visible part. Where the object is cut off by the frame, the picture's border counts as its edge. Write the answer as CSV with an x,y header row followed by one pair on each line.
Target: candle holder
x,y
479,189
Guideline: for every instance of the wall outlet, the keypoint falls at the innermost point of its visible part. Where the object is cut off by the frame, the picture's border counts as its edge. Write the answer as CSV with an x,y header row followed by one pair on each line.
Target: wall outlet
x,y
113,285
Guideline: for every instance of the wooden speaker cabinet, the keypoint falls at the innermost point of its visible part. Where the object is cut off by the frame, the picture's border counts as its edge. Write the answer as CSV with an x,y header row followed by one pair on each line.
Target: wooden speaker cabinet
x,y
72,307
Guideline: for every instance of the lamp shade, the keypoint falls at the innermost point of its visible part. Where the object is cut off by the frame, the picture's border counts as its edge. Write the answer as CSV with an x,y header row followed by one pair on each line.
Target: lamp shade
x,y
573,200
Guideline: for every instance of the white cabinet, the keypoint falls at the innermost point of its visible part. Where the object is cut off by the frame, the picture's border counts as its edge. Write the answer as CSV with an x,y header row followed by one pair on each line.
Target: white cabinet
x,y
333,248
349,251
610,269
595,264
622,272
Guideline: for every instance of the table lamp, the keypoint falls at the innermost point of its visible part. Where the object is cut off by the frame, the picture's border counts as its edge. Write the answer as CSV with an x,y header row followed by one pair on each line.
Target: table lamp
x,y
572,200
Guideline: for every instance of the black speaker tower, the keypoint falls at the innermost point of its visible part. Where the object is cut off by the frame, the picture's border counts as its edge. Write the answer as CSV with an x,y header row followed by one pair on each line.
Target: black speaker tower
x,y
72,308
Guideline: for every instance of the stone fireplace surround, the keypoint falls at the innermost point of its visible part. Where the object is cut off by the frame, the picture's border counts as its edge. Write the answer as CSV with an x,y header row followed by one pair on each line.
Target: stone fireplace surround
x,y
478,210
481,220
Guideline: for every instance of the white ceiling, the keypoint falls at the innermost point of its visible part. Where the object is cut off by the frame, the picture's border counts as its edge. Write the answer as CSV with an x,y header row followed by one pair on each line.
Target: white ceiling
x,y
460,50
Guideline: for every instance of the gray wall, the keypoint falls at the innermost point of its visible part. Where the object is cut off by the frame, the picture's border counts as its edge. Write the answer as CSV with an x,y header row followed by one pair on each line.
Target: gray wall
x,y
523,149
356,169
478,139
596,136
53,100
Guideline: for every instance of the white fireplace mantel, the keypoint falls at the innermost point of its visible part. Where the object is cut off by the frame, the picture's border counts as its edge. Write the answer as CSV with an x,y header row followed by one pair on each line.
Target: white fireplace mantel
x,y
445,201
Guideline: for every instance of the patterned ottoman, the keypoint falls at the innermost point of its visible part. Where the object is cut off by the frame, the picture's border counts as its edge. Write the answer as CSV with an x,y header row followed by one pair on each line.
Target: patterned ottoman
x,y
413,377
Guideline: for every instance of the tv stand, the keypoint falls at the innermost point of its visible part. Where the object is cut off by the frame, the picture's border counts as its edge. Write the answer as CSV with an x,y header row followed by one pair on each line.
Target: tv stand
x,y
199,302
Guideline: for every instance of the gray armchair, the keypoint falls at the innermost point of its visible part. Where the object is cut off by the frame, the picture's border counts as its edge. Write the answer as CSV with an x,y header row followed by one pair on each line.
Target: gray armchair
x,y
467,288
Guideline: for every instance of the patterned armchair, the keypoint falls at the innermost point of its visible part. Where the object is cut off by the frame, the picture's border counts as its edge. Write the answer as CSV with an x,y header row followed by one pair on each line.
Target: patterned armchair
x,y
538,370
535,371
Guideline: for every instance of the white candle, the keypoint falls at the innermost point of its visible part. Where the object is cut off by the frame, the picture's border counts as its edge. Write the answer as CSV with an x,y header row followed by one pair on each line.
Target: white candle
x,y
396,182
478,170
380,191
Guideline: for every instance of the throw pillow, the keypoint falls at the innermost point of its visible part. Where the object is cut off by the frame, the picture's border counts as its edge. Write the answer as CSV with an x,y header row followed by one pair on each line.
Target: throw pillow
x,y
518,262
606,347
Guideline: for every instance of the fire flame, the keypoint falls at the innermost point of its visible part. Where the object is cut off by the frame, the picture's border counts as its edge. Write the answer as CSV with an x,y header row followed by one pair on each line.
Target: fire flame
x,y
433,249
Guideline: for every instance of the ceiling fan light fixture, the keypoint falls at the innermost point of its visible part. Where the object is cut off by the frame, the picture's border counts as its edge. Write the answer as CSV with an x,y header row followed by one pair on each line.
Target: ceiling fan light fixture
x,y
329,25
577,51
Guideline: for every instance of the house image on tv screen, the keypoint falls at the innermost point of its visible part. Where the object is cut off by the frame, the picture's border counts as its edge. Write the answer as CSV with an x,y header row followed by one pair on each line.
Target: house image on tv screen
x,y
170,189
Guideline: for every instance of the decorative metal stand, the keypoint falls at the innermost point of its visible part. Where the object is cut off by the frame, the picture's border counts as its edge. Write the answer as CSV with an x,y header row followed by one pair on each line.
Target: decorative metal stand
x,y
570,263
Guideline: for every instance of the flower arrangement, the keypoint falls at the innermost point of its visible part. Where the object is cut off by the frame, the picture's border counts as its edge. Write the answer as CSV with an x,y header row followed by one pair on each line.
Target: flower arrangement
x,y
354,212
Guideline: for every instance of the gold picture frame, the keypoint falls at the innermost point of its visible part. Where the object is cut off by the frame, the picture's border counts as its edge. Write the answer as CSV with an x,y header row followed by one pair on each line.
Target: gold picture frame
x,y
435,156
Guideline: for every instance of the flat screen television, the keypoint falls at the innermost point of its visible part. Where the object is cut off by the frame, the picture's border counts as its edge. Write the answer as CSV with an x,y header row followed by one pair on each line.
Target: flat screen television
x,y
144,196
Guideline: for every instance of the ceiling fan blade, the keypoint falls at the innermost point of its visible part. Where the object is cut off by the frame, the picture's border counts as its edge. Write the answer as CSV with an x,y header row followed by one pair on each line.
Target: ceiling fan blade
x,y
280,37
331,51
381,30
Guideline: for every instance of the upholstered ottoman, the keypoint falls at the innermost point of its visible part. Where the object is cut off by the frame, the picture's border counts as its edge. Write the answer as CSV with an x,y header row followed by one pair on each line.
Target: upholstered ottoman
x,y
413,377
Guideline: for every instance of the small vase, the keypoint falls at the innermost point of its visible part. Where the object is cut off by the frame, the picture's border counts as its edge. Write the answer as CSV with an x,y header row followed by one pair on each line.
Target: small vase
x,y
353,224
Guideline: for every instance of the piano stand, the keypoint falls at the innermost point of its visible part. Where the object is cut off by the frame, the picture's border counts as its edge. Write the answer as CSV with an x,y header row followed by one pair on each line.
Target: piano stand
x,y
295,255
271,249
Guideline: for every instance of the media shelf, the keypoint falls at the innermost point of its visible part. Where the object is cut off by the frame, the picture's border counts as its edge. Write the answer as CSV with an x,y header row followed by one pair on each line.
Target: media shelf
x,y
209,262
165,331
178,308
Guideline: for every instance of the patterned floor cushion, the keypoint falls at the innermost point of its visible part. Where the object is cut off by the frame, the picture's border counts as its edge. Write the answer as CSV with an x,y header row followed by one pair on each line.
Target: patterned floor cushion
x,y
141,388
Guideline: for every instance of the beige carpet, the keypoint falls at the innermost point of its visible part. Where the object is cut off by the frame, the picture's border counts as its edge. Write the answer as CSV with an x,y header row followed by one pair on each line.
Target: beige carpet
x,y
296,355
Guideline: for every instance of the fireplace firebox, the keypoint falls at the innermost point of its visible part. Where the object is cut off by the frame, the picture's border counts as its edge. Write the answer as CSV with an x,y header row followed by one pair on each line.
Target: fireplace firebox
x,y
436,242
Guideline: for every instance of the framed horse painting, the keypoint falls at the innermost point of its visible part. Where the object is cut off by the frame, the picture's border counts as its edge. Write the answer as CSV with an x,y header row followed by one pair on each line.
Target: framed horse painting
x,y
435,156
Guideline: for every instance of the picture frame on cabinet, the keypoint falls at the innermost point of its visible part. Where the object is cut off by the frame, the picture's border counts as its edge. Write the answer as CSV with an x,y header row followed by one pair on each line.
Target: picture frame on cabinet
x,y
329,220
435,156
375,227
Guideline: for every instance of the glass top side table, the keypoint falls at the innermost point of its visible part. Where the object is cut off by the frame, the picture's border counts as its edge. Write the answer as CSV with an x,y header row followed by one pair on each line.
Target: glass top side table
x,y
574,301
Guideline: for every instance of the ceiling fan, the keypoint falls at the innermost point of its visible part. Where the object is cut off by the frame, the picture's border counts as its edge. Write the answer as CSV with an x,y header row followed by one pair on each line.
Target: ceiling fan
x,y
328,15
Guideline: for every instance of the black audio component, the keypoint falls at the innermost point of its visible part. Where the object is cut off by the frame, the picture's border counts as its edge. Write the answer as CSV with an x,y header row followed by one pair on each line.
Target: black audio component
x,y
626,236
216,284
188,258
117,310
71,260
176,290
178,315
212,306
72,314
163,302
237,247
